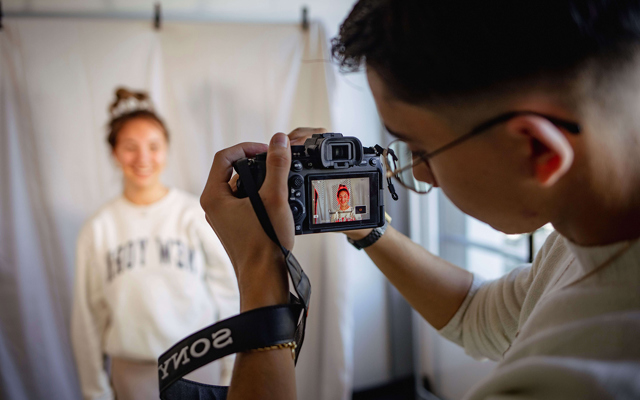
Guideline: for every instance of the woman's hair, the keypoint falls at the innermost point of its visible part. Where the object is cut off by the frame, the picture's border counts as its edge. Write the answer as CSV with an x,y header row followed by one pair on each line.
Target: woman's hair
x,y
127,106
342,188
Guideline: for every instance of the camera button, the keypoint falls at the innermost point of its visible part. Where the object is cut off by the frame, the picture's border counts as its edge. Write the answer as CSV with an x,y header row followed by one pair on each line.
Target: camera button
x,y
296,166
297,209
296,181
373,162
298,193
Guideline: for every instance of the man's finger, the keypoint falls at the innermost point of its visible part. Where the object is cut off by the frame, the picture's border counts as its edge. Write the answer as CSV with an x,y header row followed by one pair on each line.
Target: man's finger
x,y
222,167
233,183
299,135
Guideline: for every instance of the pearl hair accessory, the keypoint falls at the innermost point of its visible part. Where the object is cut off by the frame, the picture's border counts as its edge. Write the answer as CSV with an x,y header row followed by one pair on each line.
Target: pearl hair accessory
x,y
130,105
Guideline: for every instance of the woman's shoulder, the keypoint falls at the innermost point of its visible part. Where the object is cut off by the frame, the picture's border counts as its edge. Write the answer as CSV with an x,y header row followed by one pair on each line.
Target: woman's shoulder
x,y
102,217
185,197
185,201
105,211
187,205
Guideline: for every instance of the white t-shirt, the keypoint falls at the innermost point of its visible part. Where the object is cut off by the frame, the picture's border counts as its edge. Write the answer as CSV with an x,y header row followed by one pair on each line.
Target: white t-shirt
x,y
561,328
146,277
345,215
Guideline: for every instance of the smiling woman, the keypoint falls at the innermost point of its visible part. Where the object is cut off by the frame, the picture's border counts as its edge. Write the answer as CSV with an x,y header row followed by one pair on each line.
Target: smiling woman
x,y
139,141
149,270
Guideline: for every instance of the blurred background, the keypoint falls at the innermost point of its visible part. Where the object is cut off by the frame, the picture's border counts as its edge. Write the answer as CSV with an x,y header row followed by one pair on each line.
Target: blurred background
x,y
220,72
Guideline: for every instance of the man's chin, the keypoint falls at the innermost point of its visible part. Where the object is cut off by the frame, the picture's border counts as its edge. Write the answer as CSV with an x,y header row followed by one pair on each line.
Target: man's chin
x,y
516,229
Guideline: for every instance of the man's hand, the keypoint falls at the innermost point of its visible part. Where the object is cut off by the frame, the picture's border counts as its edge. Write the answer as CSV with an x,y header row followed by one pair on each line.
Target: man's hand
x,y
258,262
299,135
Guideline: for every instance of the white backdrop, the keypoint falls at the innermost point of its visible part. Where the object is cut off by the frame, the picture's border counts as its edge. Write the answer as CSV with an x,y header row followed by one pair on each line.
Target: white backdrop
x,y
216,85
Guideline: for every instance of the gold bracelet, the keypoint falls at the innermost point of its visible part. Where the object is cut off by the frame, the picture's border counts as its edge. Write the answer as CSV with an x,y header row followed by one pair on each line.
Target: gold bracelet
x,y
288,345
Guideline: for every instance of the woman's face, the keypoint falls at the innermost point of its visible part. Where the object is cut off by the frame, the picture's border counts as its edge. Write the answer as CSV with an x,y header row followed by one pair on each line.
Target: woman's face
x,y
343,198
141,152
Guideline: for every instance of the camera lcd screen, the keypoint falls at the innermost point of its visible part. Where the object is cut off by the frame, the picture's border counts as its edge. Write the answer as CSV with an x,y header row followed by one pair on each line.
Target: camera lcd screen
x,y
340,200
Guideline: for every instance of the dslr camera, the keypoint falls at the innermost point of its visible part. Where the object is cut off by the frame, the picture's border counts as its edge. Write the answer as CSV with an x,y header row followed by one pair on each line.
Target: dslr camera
x,y
334,184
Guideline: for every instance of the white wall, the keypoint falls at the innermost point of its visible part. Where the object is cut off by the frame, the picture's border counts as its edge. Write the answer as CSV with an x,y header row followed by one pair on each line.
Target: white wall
x,y
354,114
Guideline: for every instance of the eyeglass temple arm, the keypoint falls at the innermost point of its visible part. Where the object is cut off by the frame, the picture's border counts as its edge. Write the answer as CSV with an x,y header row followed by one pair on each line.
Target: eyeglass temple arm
x,y
571,127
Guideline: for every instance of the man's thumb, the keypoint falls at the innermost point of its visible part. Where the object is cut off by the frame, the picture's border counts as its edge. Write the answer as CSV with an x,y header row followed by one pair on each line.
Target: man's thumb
x,y
278,164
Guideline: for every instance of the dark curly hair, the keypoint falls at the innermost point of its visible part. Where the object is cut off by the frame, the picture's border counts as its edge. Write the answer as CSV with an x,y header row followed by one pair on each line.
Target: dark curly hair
x,y
427,51
119,118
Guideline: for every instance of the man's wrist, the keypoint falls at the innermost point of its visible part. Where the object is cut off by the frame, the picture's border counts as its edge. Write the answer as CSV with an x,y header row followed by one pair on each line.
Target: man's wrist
x,y
370,239
265,282
358,234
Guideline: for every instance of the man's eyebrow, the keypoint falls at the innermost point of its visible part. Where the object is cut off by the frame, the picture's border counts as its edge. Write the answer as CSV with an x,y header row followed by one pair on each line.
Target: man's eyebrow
x,y
396,134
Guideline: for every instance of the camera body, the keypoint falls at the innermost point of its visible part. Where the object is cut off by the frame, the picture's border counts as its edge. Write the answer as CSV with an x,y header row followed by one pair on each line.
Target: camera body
x,y
334,184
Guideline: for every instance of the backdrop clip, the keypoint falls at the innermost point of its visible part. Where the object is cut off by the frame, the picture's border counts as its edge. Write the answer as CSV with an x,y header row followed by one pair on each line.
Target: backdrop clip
x,y
305,18
157,16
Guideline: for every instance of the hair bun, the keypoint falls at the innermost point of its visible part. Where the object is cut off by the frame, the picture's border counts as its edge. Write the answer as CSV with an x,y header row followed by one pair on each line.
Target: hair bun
x,y
129,101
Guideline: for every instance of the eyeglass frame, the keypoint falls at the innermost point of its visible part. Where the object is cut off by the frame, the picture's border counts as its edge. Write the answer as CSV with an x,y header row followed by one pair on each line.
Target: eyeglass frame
x,y
572,127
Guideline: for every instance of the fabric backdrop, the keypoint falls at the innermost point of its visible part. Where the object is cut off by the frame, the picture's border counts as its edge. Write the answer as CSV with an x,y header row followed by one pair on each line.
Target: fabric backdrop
x,y
215,85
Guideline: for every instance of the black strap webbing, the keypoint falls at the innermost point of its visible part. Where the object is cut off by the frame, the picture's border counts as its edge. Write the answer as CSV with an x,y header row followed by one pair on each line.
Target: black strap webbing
x,y
257,328
253,329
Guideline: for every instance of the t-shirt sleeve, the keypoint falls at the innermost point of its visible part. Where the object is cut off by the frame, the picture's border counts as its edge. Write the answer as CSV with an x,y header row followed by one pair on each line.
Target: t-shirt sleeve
x,y
89,321
487,321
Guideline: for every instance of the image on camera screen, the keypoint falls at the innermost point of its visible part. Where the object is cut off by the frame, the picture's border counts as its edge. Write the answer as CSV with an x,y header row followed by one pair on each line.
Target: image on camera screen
x,y
340,200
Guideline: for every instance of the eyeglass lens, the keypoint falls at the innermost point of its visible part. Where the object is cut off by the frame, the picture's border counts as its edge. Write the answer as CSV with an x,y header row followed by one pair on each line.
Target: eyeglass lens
x,y
400,161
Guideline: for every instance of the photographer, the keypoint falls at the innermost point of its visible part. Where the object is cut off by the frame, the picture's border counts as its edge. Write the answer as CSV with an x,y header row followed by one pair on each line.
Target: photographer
x,y
523,113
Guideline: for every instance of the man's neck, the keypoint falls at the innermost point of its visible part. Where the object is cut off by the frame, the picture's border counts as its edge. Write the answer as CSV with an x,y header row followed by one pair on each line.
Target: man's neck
x,y
604,209
598,227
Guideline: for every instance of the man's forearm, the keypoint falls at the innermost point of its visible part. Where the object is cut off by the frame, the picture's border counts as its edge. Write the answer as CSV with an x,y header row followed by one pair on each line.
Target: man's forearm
x,y
267,374
434,287
263,375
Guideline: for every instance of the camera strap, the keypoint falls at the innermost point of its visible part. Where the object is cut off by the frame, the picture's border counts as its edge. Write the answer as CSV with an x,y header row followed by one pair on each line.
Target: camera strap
x,y
258,328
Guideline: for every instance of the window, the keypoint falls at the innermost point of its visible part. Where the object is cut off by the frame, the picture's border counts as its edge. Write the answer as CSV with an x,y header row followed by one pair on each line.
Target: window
x,y
477,247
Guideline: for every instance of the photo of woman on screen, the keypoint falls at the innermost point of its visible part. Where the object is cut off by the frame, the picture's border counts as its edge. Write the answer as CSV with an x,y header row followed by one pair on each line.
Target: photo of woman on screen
x,y
345,212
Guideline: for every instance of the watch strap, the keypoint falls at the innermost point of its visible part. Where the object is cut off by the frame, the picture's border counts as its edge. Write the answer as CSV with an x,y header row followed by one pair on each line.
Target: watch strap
x,y
368,240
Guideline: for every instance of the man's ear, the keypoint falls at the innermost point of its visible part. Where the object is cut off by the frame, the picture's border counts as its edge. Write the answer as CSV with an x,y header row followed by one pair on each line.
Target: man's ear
x,y
550,152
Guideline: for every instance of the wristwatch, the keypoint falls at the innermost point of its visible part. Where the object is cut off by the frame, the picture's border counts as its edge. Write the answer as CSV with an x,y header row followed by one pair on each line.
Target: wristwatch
x,y
370,239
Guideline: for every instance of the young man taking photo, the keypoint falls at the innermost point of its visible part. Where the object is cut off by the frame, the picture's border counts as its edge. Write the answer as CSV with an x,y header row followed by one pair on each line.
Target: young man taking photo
x,y
523,113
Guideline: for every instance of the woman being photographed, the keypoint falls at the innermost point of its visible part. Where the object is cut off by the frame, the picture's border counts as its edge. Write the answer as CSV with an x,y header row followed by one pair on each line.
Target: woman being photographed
x,y
149,269
345,212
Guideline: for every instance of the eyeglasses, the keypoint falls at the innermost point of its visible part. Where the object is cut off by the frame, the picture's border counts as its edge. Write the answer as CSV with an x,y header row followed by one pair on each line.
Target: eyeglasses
x,y
400,160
